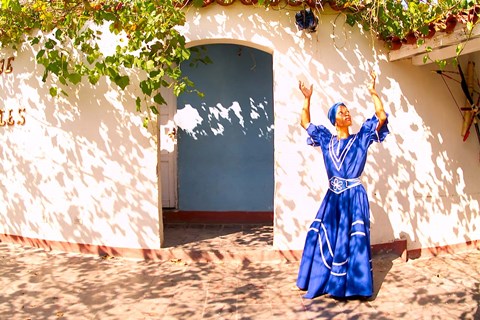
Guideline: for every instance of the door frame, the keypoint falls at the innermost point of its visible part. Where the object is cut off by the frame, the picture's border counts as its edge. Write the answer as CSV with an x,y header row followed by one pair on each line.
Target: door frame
x,y
167,151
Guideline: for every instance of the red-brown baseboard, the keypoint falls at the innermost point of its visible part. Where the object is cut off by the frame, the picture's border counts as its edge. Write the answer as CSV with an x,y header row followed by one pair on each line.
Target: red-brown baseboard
x,y
396,247
224,217
444,250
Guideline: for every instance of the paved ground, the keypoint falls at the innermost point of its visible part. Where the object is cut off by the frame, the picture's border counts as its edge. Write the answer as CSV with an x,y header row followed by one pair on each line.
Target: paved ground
x,y
35,284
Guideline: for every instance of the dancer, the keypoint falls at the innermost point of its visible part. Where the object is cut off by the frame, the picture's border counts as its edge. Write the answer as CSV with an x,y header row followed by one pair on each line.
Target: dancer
x,y
336,258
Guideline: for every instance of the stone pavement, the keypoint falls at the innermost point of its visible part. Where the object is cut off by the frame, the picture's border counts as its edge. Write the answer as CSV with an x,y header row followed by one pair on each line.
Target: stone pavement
x,y
36,284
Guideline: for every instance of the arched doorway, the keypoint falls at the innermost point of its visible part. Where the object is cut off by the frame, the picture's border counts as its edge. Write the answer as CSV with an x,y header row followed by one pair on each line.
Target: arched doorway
x,y
225,138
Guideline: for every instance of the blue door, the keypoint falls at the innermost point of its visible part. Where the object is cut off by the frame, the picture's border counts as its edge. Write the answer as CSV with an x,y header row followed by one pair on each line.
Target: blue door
x,y
225,139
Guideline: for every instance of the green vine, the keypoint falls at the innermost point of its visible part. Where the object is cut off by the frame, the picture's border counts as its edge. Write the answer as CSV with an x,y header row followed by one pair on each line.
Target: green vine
x,y
396,20
67,34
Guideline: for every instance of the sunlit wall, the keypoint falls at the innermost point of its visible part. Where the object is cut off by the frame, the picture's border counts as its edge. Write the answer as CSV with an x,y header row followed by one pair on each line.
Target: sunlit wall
x,y
77,168
82,169
423,181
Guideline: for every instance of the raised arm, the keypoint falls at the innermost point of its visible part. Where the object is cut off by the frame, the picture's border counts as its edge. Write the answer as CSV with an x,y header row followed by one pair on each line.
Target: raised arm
x,y
379,111
307,93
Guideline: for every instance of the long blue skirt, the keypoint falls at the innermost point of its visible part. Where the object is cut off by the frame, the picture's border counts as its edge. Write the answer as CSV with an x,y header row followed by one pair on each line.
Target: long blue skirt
x,y
336,259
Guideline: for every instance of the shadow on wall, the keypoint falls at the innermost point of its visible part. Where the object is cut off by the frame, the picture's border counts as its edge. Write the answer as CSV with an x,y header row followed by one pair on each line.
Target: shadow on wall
x,y
81,169
422,178
416,178
419,179
433,184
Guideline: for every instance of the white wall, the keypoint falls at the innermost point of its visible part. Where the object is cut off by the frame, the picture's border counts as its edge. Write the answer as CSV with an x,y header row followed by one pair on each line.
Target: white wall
x,y
82,169
423,181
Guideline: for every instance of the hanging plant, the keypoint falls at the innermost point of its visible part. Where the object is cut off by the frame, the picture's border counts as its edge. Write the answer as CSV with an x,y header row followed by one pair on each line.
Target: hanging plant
x,y
336,5
266,3
67,45
395,43
450,23
180,3
427,31
411,37
314,3
202,3
66,39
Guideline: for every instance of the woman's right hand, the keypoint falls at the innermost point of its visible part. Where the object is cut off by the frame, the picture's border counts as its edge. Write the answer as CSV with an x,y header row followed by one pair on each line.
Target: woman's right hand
x,y
307,92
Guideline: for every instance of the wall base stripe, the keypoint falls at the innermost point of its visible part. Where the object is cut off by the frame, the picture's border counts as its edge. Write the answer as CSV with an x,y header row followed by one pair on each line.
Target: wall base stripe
x,y
397,248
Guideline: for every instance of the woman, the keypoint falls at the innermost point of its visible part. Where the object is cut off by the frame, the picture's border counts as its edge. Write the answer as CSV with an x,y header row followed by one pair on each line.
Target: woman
x,y
337,259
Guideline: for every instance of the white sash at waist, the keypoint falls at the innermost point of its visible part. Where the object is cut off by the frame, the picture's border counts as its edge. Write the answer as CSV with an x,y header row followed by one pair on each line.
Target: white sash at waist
x,y
338,185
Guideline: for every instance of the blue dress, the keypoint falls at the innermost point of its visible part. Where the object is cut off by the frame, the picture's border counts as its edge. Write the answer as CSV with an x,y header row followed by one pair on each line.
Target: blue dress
x,y
336,259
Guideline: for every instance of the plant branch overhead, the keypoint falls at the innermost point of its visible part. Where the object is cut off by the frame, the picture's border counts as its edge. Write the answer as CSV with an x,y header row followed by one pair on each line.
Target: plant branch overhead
x,y
67,35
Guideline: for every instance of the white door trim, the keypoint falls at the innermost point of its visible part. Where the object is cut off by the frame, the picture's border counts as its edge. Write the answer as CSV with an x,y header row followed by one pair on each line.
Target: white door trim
x,y
168,150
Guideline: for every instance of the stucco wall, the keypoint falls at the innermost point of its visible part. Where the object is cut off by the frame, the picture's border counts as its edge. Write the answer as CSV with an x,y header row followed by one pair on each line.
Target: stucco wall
x,y
81,169
423,181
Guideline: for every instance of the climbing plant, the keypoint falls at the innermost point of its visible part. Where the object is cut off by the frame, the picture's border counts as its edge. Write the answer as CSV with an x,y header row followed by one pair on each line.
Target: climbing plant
x,y
394,18
67,35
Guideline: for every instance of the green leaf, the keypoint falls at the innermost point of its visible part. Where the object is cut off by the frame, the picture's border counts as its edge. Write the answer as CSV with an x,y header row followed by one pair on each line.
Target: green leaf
x,y
146,87
154,110
90,59
58,34
108,16
54,67
459,48
155,73
112,73
50,44
40,54
14,5
35,40
158,98
93,78
185,54
45,75
138,104
470,25
179,88
441,63
351,20
150,64
455,62
100,67
122,81
53,91
75,78
5,4
424,30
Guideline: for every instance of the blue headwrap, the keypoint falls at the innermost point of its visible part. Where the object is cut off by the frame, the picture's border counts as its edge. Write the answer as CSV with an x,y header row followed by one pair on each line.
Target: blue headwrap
x,y
332,112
